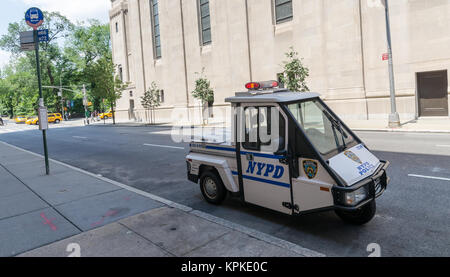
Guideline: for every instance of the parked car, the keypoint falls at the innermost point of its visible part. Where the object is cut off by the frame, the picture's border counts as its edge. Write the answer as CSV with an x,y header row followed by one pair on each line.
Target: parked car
x,y
105,115
20,119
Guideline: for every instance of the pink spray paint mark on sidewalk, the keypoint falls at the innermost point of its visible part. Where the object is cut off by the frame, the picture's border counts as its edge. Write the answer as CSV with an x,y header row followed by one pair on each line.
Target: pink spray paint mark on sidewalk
x,y
49,222
100,222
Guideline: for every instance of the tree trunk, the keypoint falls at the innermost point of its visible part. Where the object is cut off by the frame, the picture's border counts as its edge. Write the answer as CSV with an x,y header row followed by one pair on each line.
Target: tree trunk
x,y
113,113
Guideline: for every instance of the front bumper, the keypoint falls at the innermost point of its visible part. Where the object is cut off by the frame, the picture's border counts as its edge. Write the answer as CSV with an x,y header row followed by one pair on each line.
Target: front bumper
x,y
375,186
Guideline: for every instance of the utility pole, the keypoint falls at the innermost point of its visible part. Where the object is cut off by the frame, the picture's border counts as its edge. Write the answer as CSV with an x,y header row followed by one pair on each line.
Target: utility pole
x,y
394,118
60,94
85,104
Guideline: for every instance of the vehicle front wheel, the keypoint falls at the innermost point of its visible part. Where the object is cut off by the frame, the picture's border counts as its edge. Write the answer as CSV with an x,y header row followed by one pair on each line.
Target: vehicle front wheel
x,y
212,188
57,121
360,216
105,117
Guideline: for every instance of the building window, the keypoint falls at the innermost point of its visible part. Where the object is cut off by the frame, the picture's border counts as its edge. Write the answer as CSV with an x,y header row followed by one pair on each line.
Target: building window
x,y
161,96
204,22
117,27
283,11
131,93
120,73
155,26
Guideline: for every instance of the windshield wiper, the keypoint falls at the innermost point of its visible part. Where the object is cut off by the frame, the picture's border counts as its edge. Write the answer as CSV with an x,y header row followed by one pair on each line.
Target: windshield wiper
x,y
337,126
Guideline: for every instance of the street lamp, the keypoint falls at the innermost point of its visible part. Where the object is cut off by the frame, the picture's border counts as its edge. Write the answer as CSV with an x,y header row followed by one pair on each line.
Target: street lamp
x,y
394,118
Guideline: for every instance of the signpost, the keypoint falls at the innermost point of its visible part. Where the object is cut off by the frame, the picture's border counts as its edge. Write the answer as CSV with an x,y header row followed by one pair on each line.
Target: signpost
x,y
34,18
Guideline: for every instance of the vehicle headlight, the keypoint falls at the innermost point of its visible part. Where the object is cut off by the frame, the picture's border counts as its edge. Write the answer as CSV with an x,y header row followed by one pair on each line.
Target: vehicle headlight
x,y
355,197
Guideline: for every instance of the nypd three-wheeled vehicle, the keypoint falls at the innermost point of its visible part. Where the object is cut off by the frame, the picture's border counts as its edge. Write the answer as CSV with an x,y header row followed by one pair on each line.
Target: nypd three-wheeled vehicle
x,y
292,154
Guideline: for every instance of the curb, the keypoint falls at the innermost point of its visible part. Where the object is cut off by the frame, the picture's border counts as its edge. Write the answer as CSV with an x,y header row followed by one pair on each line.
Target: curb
x,y
400,131
223,222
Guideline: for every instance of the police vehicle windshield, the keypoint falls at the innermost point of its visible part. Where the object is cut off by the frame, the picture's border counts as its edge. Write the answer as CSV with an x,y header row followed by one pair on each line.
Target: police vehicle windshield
x,y
323,130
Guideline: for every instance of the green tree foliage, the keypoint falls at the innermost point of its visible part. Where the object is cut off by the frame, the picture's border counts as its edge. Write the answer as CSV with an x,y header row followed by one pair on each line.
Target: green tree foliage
x,y
151,100
203,92
51,58
107,85
70,58
295,73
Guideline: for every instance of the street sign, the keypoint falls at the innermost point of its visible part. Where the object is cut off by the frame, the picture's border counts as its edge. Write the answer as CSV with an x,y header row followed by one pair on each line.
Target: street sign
x,y
43,118
34,17
28,47
27,41
43,35
26,37
385,57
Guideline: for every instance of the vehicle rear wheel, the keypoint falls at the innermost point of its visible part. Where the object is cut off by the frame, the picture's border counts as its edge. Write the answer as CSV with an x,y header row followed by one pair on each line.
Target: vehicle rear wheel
x,y
105,117
212,188
360,216
57,121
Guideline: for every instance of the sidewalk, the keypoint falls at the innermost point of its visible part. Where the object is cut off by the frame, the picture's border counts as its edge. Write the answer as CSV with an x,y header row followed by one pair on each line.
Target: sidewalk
x,y
46,215
422,125
425,125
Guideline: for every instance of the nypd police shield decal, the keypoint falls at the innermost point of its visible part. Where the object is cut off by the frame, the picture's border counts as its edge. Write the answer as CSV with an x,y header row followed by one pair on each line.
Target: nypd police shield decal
x,y
310,168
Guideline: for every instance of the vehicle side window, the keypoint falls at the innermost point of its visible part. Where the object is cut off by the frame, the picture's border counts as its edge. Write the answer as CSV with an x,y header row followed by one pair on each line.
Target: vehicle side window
x,y
259,130
251,142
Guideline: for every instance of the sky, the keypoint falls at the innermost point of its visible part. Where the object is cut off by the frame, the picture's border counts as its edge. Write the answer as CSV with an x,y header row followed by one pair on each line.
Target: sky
x,y
75,10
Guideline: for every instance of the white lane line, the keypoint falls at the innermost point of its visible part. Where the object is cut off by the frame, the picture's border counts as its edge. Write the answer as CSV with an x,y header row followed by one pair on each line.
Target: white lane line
x,y
429,177
78,137
443,145
163,146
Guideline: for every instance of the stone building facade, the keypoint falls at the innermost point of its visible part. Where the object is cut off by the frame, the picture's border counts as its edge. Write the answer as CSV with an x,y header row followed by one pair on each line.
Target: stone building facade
x,y
170,42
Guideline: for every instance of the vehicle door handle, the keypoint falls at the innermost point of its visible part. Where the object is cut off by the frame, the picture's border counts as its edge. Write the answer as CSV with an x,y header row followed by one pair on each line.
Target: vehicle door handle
x,y
284,161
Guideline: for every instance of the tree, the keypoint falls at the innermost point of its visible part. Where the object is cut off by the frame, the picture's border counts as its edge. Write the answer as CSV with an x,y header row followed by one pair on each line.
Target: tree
x,y
50,52
84,48
108,85
151,100
204,93
295,73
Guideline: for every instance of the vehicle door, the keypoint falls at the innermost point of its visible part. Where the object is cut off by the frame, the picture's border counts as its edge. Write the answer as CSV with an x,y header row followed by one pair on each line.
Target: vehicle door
x,y
51,118
265,172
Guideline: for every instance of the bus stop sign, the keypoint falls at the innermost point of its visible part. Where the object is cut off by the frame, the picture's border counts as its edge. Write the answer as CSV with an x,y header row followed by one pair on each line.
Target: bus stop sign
x,y
34,17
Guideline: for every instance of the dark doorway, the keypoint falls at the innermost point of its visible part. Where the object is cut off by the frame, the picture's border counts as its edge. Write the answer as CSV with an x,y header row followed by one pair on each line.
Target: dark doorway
x,y
432,93
131,115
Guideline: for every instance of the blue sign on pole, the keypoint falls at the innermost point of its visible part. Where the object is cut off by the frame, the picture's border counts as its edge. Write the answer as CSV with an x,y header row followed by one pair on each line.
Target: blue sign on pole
x,y
34,17
71,104
43,35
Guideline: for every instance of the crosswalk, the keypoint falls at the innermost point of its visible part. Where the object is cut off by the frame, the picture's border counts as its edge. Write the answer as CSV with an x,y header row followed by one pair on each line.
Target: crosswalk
x,y
13,128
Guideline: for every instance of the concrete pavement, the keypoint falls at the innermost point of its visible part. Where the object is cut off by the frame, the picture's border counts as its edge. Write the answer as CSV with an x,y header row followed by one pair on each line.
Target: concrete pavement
x,y
72,212
421,125
409,220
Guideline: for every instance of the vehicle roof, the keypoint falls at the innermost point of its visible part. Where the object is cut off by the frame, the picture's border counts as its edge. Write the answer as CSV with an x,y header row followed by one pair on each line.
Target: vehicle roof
x,y
272,96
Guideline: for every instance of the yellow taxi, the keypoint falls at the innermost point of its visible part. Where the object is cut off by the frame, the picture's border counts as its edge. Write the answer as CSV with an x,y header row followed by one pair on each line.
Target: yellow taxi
x,y
32,120
20,119
54,118
51,117
105,115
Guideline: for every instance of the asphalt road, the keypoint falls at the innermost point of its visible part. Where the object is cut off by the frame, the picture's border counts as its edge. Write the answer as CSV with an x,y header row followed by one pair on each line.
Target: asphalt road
x,y
412,217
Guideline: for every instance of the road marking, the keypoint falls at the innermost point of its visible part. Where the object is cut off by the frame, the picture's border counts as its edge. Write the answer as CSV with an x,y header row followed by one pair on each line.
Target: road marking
x,y
443,145
429,177
235,226
163,146
78,137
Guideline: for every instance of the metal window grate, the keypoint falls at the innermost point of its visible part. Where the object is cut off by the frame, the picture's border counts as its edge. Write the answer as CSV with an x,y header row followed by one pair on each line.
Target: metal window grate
x,y
205,22
283,11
